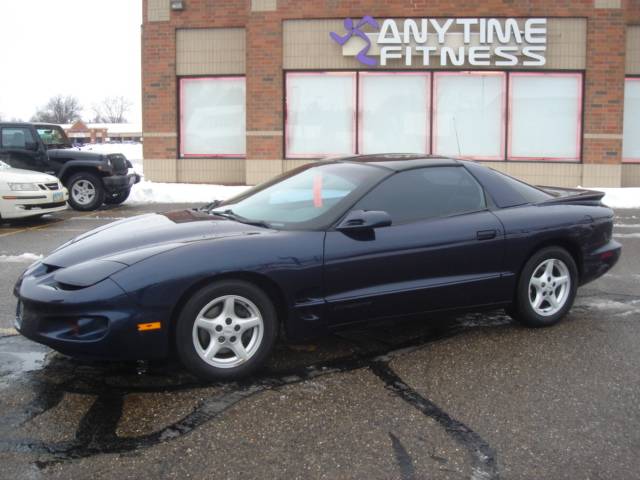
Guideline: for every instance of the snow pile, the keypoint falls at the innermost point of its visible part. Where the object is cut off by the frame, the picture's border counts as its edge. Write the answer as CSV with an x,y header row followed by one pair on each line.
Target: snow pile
x,y
621,197
152,192
24,258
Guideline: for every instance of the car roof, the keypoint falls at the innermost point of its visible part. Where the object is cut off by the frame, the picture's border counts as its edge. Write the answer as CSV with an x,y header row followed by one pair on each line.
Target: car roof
x,y
28,124
401,161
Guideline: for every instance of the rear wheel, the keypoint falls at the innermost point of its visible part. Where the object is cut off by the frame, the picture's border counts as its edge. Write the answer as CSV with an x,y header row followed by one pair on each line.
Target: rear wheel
x,y
547,288
85,191
226,330
117,198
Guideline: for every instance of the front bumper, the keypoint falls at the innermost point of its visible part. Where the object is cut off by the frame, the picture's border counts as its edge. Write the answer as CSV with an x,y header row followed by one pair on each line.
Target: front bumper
x,y
28,204
97,322
118,183
600,261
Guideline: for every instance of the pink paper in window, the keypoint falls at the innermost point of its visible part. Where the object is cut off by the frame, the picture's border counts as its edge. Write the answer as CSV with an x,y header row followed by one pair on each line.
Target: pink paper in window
x,y
317,191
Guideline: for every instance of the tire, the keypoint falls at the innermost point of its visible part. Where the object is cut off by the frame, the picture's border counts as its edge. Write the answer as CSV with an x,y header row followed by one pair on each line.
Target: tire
x,y
117,198
540,303
86,191
213,349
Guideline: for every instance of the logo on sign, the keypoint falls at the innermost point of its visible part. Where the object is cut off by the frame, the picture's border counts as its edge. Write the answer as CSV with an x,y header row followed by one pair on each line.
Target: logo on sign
x,y
356,30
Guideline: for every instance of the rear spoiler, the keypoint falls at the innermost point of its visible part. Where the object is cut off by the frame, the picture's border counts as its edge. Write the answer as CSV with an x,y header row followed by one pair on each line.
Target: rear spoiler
x,y
574,196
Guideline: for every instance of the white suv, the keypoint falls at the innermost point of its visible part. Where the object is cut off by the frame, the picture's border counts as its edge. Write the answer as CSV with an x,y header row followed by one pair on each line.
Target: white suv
x,y
24,193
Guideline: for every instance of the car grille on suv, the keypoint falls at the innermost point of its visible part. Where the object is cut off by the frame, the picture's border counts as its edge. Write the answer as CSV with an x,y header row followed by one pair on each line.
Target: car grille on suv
x,y
119,163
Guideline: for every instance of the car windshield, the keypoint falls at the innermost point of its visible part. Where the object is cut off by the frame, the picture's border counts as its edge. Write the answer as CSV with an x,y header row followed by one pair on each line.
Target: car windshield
x,y
310,197
52,136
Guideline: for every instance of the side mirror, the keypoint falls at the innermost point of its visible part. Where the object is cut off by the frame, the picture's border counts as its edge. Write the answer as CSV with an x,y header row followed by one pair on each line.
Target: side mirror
x,y
362,220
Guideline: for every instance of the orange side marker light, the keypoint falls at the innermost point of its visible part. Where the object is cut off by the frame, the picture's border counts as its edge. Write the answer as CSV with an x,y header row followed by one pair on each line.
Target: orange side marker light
x,y
145,327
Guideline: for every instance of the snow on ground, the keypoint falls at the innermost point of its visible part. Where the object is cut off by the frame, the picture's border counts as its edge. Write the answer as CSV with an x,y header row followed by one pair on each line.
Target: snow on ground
x,y
24,258
621,197
152,192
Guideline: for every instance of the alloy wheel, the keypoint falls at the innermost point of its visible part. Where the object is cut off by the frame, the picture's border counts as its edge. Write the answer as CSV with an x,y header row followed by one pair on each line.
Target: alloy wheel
x,y
83,192
228,331
549,287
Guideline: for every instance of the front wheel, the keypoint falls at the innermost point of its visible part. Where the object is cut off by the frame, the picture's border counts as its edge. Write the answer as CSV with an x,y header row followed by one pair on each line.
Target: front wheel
x,y
86,192
117,198
226,330
547,288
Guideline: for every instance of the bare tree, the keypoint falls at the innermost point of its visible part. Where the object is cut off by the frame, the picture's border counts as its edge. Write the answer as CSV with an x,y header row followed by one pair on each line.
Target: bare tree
x,y
112,110
59,109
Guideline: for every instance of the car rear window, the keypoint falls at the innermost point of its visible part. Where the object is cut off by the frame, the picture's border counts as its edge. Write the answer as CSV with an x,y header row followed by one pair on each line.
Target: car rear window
x,y
528,192
506,191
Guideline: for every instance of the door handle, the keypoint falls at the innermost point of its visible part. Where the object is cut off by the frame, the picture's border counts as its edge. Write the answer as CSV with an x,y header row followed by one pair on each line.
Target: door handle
x,y
486,234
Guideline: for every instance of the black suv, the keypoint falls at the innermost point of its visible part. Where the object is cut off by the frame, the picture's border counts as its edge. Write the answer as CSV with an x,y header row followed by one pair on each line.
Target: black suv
x,y
91,178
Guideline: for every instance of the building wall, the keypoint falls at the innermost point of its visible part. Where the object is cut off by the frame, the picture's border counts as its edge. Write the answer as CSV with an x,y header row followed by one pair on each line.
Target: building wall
x,y
260,38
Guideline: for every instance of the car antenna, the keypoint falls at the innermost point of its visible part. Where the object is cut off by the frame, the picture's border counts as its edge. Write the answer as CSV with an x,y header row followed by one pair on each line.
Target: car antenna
x,y
455,129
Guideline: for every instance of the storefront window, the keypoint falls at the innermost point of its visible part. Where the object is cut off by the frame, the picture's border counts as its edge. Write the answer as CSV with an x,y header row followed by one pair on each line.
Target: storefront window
x,y
545,114
212,117
469,114
631,141
320,114
394,111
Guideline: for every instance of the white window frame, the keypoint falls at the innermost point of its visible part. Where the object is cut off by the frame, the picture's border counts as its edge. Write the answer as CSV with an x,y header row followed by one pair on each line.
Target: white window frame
x,y
427,107
503,113
182,154
287,128
626,159
578,133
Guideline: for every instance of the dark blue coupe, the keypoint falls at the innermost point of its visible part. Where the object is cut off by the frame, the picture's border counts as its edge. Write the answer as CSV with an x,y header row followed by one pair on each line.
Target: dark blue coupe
x,y
329,244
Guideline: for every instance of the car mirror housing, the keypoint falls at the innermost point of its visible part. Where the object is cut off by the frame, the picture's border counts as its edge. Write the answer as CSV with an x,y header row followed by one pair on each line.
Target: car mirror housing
x,y
364,219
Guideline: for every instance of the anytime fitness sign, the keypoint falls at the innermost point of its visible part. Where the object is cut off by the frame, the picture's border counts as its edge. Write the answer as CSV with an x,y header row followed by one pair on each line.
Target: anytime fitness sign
x,y
452,41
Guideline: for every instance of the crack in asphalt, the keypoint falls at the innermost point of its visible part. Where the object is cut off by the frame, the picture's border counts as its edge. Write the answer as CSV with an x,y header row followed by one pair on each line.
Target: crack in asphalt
x,y
484,462
96,433
403,458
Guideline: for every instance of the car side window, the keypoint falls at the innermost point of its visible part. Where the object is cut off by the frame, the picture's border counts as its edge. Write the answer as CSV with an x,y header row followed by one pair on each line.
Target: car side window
x,y
426,193
16,137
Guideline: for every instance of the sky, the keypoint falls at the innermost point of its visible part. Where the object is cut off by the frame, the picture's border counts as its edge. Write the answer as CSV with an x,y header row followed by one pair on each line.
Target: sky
x,y
86,48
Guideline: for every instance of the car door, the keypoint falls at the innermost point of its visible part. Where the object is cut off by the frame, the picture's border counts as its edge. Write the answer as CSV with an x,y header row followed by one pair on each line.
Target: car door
x,y
443,250
20,149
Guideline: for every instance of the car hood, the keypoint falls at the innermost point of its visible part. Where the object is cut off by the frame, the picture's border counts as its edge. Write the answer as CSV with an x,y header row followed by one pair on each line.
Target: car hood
x,y
73,154
134,239
17,175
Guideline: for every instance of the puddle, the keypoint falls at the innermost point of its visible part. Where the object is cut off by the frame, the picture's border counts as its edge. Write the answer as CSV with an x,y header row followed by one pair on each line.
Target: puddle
x,y
19,356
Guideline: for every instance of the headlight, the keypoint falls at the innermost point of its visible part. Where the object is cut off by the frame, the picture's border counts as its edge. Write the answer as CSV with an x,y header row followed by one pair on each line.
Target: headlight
x,y
87,273
24,187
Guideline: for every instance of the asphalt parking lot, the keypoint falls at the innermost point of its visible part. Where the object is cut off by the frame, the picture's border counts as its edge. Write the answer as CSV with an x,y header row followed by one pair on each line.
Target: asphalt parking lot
x,y
475,396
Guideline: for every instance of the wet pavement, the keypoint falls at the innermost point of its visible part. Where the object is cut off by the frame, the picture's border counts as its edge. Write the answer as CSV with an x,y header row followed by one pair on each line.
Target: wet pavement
x,y
475,396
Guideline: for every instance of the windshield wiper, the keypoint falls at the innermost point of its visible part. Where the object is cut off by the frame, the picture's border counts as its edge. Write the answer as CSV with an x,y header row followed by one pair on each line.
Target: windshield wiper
x,y
230,214
209,206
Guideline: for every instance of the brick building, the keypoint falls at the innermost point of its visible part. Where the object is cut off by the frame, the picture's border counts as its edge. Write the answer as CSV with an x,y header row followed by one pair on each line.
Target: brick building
x,y
239,91
80,132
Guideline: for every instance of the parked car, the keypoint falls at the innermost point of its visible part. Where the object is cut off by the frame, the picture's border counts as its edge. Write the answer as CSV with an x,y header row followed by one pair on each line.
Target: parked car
x,y
91,178
326,245
29,194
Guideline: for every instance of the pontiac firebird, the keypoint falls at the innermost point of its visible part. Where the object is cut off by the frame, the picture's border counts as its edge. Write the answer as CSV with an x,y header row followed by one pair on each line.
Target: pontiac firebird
x,y
330,244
